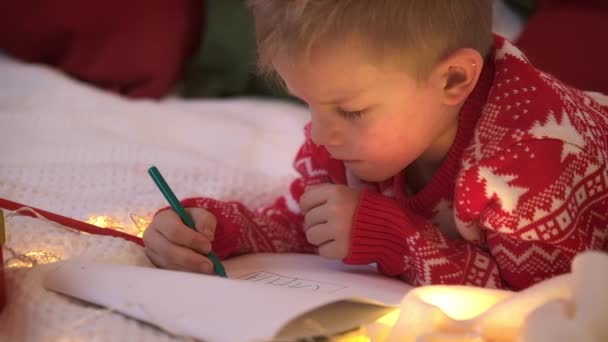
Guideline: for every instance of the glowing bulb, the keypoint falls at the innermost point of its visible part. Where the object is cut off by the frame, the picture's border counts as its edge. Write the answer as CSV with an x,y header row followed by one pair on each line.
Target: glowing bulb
x,y
461,302
106,222
390,318
356,335
31,259
141,223
113,223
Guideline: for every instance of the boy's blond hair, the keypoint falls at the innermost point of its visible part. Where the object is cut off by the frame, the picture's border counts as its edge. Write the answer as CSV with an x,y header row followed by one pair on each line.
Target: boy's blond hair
x,y
417,33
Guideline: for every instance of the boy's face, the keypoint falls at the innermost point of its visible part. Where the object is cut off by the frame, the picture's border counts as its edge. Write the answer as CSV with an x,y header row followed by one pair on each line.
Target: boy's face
x,y
374,118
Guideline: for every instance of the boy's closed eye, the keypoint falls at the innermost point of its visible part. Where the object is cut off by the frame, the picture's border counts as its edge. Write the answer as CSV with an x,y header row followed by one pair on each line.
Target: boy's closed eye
x,y
350,114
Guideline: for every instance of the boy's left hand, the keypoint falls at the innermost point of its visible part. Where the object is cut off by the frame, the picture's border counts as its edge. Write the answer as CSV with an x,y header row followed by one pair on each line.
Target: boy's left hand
x,y
328,217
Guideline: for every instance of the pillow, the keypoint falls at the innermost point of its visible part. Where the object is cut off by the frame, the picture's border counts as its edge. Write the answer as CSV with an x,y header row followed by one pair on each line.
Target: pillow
x,y
225,64
136,48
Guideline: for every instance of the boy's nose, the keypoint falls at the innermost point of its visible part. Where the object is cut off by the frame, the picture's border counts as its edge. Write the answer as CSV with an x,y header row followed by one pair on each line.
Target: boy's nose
x,y
325,135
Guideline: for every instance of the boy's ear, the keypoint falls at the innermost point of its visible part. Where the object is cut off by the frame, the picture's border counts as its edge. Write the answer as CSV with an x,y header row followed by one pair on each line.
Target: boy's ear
x,y
457,75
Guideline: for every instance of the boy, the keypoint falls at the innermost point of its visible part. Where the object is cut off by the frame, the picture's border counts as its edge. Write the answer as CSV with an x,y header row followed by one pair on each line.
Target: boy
x,y
435,150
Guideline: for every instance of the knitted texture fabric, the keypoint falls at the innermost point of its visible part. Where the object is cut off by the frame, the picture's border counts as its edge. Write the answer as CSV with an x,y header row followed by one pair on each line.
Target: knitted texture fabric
x,y
79,152
34,314
523,189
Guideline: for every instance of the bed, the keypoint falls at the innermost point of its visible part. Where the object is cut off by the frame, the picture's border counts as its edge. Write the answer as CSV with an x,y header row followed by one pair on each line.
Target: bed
x,y
75,150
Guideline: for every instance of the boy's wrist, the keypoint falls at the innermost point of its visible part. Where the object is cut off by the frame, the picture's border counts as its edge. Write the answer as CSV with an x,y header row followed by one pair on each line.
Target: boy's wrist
x,y
377,233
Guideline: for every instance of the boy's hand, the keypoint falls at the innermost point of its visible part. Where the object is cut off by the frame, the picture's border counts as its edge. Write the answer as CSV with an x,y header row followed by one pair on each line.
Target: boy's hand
x,y
171,244
329,210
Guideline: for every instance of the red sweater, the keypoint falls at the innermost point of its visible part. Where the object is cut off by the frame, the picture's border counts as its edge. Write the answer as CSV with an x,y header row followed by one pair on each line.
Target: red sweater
x,y
523,189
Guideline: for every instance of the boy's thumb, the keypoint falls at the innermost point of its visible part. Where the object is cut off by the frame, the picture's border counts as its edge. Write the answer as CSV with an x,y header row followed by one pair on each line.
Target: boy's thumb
x,y
204,222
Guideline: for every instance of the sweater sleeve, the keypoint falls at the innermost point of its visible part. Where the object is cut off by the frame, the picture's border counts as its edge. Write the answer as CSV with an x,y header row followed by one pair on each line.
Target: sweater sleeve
x,y
407,245
538,204
524,214
276,228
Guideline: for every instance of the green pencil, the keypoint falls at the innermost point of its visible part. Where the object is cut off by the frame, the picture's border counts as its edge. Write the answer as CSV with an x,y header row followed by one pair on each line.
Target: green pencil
x,y
183,214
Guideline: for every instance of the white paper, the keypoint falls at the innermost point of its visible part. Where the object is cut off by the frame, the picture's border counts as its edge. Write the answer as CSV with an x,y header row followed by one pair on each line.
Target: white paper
x,y
311,273
273,289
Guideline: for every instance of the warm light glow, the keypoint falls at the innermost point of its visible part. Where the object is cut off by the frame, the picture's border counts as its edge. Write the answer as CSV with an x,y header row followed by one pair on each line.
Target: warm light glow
x,y
358,335
106,222
390,319
461,302
140,223
358,338
31,259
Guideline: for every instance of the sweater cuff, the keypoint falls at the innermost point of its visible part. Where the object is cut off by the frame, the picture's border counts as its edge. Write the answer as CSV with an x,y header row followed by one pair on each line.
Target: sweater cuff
x,y
377,234
227,234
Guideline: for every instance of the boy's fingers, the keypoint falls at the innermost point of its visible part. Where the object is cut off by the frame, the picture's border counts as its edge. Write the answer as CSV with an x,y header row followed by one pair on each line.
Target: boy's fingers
x,y
155,258
314,196
178,233
182,259
164,253
204,221
319,235
156,242
153,240
157,246
314,217
331,250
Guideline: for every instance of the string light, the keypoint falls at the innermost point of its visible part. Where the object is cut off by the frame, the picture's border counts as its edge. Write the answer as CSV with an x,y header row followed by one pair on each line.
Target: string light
x,y
141,223
137,228
31,259
106,222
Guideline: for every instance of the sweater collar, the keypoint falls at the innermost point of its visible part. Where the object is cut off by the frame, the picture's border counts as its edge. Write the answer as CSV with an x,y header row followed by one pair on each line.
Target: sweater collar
x,y
441,184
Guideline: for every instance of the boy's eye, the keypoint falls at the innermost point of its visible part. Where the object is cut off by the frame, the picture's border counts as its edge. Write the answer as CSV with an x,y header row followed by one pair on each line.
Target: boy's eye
x,y
350,114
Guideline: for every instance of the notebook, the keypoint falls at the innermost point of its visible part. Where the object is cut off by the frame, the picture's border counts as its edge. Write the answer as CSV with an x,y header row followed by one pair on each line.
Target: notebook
x,y
266,296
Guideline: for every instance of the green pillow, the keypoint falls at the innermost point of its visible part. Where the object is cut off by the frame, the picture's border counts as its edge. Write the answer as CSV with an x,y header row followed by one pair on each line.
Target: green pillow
x,y
225,63
522,7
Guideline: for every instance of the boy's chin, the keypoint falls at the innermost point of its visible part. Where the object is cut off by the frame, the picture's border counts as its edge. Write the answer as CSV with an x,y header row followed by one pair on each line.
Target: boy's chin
x,y
371,176
375,179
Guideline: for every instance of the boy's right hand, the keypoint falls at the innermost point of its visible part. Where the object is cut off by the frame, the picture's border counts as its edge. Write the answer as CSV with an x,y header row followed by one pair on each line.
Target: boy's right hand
x,y
171,244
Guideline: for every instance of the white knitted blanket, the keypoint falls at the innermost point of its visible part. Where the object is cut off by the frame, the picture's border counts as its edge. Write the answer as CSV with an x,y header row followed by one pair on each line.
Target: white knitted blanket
x,y
34,314
77,151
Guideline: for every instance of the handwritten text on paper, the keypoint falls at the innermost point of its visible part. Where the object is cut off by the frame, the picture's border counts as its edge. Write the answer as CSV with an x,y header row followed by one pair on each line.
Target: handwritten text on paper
x,y
274,279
